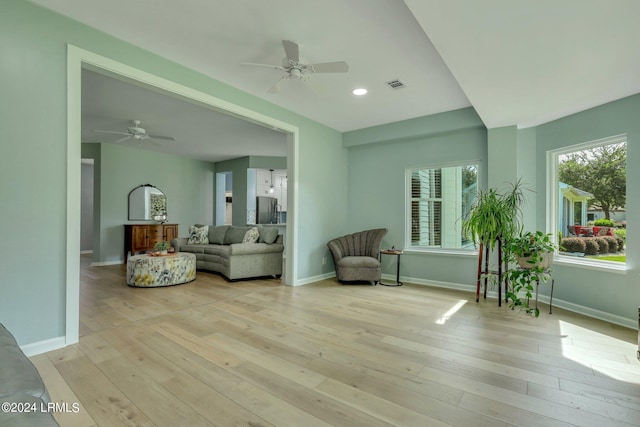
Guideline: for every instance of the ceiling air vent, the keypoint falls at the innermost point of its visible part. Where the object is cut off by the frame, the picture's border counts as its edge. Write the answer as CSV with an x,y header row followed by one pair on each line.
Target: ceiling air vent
x,y
395,84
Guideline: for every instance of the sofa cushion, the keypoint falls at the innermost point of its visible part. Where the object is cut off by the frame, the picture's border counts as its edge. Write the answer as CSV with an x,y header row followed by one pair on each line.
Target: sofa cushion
x,y
251,236
217,233
267,234
235,234
198,235
221,250
254,248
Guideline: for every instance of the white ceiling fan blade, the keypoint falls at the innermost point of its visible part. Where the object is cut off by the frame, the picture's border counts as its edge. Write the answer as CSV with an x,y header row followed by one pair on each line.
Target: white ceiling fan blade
x,y
291,49
111,131
330,67
276,87
122,139
275,67
164,138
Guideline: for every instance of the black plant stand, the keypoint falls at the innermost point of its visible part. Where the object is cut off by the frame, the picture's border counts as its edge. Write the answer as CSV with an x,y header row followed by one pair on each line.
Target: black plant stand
x,y
485,271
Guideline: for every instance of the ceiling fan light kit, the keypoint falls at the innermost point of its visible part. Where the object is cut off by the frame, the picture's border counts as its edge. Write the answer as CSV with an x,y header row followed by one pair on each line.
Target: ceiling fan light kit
x,y
298,68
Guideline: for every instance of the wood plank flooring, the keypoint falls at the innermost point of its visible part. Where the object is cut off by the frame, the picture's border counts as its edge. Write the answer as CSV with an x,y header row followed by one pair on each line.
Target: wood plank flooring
x,y
257,353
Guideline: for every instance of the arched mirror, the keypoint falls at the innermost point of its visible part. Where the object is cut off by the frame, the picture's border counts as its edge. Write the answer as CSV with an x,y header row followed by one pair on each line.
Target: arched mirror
x,y
147,202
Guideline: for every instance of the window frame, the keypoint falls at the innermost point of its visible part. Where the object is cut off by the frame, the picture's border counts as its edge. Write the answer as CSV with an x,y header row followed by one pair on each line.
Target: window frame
x,y
409,247
552,181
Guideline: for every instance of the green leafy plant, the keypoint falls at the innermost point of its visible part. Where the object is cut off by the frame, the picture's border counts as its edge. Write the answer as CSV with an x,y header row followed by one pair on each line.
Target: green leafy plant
x,y
603,222
494,216
162,245
533,252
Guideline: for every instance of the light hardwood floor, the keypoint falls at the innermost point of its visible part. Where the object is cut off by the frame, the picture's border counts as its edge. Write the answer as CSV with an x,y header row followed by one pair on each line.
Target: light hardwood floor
x,y
257,353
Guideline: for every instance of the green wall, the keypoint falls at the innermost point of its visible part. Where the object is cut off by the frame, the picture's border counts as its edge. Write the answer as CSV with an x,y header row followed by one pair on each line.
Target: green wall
x,y
188,185
377,183
33,149
603,291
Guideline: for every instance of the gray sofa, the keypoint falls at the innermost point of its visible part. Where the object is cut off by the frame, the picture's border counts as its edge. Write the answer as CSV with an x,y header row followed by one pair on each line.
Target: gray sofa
x,y
21,388
226,254
357,256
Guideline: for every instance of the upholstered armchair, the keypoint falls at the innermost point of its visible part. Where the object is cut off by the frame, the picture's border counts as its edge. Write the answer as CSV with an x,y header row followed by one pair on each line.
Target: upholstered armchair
x,y
356,256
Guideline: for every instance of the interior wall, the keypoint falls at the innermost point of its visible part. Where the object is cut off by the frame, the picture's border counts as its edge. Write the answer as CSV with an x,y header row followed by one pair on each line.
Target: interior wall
x,y
606,294
187,183
86,208
238,169
377,186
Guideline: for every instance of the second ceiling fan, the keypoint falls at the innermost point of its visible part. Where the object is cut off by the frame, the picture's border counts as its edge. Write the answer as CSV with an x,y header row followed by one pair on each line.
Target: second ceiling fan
x,y
137,133
296,68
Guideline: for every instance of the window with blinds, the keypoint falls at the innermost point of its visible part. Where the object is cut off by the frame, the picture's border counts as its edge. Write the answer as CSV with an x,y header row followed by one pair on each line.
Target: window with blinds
x,y
439,199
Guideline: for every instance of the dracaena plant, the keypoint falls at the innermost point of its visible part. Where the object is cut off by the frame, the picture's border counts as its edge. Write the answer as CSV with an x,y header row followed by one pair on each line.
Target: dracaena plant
x,y
494,216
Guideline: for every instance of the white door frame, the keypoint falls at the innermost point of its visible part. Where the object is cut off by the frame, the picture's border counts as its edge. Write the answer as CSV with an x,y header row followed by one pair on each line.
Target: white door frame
x,y
77,59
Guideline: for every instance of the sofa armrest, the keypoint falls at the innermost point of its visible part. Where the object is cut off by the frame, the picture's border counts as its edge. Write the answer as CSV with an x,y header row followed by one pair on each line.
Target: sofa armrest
x,y
336,250
180,241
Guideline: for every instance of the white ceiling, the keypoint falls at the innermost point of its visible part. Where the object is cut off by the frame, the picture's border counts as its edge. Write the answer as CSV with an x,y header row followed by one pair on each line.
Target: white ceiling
x,y
527,62
520,63
199,132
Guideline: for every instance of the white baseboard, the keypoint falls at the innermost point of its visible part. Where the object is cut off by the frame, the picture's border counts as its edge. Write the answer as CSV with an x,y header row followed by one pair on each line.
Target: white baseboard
x,y
592,312
308,280
566,305
43,346
103,263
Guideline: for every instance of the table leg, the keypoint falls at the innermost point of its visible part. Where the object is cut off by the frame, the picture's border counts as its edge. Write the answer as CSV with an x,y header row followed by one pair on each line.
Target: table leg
x,y
537,285
398,282
551,297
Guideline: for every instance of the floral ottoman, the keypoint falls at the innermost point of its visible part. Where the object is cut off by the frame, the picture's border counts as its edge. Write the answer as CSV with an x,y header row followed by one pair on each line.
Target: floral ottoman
x,y
147,271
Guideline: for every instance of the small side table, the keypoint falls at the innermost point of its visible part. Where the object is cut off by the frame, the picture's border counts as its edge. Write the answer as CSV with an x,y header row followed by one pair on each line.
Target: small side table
x,y
397,253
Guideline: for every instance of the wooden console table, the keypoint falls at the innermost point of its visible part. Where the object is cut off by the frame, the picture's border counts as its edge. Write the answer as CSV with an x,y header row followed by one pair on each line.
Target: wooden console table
x,y
143,237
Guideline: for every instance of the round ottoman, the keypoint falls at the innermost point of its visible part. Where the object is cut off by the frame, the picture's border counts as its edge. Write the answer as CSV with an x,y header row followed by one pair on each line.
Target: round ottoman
x,y
145,271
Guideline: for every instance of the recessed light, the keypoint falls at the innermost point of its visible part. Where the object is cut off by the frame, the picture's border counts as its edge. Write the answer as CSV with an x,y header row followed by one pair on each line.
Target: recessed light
x,y
359,91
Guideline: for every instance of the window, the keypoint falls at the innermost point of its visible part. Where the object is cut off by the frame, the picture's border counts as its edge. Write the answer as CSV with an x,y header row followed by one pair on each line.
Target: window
x,y
438,199
587,199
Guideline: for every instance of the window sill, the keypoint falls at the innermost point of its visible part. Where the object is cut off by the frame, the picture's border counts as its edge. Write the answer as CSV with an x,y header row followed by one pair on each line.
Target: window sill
x,y
608,266
457,252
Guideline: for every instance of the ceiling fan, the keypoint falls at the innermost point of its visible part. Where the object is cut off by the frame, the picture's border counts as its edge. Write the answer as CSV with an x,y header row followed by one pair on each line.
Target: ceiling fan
x,y
136,132
297,68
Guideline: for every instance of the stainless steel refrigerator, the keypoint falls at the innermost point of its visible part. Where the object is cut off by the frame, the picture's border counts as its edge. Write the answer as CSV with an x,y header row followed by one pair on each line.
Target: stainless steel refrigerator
x,y
266,210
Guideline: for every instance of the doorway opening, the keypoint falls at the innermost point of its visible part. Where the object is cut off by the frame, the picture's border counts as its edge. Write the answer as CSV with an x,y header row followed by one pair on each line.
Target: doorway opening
x,y
78,59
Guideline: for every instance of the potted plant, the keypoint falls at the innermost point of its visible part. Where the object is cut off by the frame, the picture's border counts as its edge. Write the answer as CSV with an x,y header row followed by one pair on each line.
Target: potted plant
x,y
162,246
533,252
494,218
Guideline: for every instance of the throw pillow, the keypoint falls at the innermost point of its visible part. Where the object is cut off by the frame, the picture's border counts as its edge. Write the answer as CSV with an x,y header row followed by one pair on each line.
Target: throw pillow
x,y
251,236
267,234
216,234
198,235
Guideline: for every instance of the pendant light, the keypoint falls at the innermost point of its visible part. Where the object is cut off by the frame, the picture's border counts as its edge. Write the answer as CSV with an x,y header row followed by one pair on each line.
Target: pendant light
x,y
271,189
